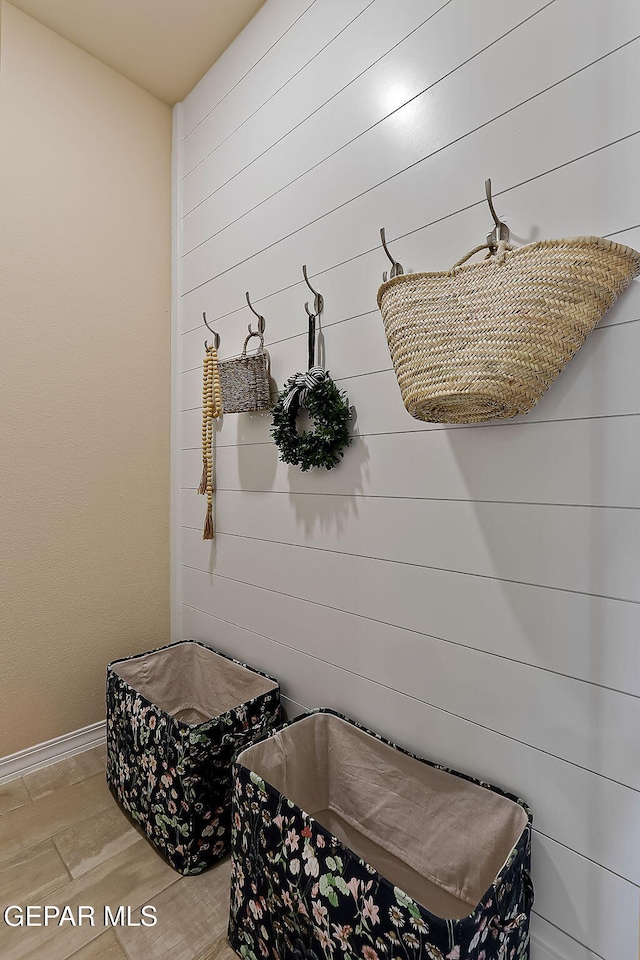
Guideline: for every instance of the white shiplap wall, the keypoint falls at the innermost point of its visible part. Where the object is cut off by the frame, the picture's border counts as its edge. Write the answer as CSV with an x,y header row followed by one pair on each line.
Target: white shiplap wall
x,y
471,592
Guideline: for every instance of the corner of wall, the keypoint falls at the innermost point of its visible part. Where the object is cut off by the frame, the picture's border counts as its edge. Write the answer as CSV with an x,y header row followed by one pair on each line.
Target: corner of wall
x,y
175,344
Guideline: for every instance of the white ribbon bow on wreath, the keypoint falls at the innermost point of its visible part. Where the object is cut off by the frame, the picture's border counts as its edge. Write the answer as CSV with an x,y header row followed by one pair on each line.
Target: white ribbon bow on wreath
x,y
300,384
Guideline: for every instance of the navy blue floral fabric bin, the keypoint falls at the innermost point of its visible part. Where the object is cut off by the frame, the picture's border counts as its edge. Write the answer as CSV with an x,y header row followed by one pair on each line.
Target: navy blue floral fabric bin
x,y
175,718
345,846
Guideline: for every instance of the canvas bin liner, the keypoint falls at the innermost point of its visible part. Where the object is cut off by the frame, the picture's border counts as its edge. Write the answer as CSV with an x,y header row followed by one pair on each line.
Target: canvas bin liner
x,y
344,845
175,718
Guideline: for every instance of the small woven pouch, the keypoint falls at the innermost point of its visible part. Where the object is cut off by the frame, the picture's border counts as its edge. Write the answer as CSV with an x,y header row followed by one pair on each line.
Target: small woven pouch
x,y
244,381
483,341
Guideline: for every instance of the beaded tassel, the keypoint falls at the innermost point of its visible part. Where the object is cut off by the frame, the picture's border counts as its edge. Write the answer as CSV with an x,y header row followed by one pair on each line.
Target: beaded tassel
x,y
211,410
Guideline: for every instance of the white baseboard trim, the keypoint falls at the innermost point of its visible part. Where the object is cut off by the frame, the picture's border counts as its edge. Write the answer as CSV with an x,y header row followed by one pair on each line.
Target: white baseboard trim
x,y
34,758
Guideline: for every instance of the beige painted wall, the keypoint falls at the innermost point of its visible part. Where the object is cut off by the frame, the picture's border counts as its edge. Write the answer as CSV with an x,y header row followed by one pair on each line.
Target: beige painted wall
x,y
84,392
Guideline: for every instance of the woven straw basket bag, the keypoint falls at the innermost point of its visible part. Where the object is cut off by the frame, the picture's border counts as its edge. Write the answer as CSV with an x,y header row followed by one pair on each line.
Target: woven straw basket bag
x,y
244,381
483,341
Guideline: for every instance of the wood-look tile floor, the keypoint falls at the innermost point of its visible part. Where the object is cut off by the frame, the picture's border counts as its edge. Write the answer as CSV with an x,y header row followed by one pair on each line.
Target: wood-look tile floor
x,y
65,842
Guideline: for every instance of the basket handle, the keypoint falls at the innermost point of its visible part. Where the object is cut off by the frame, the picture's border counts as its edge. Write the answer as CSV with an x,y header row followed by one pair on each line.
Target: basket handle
x,y
500,252
252,333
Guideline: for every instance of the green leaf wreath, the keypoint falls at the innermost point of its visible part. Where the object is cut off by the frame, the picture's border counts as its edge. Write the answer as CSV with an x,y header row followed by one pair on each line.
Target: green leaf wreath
x,y
329,410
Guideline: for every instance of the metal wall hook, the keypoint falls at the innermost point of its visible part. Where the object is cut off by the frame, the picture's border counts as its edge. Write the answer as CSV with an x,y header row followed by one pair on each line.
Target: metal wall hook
x,y
261,320
311,315
216,335
318,302
396,267
501,230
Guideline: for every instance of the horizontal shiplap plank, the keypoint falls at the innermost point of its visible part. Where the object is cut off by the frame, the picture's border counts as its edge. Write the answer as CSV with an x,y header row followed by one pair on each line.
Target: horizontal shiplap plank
x,y
249,428
560,877
601,381
590,462
439,117
362,44
357,345
607,911
236,65
590,638
550,943
630,237
393,80
305,38
418,63
580,723
424,195
573,548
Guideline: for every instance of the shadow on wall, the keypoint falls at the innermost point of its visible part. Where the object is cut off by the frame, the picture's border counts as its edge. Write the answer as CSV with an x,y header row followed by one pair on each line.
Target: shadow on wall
x,y
576,550
338,488
333,510
213,554
530,537
257,464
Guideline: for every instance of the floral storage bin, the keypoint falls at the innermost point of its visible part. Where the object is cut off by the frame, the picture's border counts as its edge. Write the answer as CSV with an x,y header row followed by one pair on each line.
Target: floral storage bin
x,y
346,846
175,718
